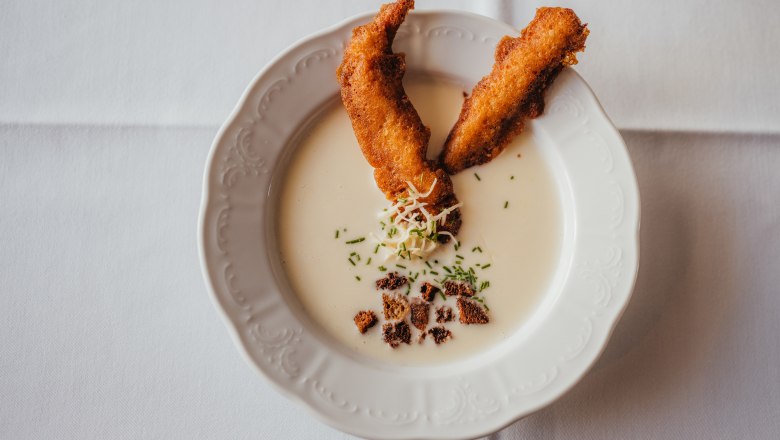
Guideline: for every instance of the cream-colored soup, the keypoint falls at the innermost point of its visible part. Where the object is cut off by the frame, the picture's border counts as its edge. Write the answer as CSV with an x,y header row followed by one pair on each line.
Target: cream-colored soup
x,y
512,213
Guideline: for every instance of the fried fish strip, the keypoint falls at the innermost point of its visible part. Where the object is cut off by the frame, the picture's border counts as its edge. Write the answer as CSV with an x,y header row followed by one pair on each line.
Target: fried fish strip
x,y
389,130
525,66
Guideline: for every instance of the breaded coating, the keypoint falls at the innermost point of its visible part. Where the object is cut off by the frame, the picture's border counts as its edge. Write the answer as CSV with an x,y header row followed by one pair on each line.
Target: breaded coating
x,y
525,66
389,130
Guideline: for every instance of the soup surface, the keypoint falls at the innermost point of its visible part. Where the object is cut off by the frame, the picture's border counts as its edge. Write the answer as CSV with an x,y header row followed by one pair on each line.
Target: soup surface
x,y
511,233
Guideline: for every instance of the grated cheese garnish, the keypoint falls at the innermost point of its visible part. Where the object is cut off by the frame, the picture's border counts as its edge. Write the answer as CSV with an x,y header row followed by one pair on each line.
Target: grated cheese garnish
x,y
409,229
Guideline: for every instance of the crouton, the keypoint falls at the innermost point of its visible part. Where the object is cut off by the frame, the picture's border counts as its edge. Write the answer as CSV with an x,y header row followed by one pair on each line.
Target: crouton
x,y
455,288
420,311
471,312
395,333
443,314
391,282
364,320
395,307
440,334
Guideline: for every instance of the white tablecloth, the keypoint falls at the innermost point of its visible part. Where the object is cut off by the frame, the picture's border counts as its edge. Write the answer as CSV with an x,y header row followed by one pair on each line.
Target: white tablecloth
x,y
107,112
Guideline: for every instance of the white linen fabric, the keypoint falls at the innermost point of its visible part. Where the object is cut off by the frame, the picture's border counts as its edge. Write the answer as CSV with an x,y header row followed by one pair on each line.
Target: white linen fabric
x,y
107,112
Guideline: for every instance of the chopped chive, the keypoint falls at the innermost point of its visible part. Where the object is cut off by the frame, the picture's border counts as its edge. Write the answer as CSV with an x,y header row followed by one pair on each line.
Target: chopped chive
x,y
337,233
352,254
350,261
357,240
442,295
447,269
357,257
376,249
433,272
382,268
482,301
425,272
357,277
459,257
401,266
506,204
428,264
486,266
369,261
477,176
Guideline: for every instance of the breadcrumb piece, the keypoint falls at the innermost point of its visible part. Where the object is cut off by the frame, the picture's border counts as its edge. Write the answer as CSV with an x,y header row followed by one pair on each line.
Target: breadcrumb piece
x,y
364,320
420,311
392,281
394,306
456,288
440,334
471,312
395,333
443,314
428,291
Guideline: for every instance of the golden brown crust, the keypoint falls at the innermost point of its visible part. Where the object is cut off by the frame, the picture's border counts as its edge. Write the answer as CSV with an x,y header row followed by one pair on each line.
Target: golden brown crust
x,y
389,130
394,306
471,312
513,91
364,320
